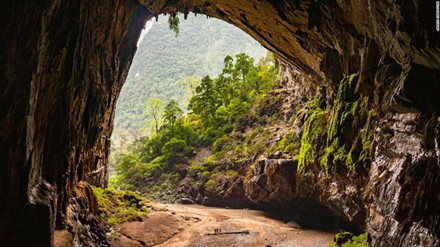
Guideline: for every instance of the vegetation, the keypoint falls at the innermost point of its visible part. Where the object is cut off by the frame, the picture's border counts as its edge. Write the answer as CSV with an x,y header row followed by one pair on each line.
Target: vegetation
x,y
336,131
350,113
235,118
347,239
216,110
120,206
313,129
154,110
167,67
173,22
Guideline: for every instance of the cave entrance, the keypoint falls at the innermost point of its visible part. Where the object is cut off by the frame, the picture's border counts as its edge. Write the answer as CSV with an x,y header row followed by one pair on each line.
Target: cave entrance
x,y
220,127
175,54
57,106
64,63
182,137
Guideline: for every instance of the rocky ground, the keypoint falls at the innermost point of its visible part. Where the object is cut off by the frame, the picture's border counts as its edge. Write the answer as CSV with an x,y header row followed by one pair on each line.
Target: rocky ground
x,y
194,225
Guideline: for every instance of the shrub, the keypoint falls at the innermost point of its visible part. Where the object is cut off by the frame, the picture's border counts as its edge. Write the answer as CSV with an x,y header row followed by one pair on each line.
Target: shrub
x,y
118,206
176,150
347,239
218,145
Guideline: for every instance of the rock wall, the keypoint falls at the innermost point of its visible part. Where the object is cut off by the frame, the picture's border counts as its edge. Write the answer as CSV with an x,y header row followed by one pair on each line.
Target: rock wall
x,y
63,63
62,66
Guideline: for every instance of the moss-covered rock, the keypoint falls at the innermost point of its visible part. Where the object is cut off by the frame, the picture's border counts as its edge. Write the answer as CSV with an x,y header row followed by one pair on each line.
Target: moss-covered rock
x,y
118,206
349,135
347,239
314,128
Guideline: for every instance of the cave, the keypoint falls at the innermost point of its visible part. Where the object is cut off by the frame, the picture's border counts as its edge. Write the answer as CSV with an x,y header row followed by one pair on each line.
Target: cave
x,y
63,64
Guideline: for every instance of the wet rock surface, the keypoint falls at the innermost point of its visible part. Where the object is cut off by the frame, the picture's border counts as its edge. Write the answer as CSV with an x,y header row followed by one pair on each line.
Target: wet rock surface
x,y
62,66
402,194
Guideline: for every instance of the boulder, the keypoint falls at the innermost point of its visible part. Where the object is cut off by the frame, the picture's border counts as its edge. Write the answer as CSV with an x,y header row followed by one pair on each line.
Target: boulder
x,y
273,180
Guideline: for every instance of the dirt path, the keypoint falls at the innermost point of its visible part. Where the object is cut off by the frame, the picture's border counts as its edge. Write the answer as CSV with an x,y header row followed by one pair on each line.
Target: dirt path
x,y
198,226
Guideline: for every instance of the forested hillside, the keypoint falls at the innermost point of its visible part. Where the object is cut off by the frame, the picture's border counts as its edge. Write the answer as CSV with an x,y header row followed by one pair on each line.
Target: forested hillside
x,y
164,61
183,145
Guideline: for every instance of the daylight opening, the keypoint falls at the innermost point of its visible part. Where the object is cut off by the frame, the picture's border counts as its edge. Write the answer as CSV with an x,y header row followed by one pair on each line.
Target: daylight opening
x,y
201,119
188,88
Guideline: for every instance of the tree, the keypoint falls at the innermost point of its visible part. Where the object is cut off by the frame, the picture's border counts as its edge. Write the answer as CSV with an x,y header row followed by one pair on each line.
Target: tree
x,y
154,109
206,100
172,113
190,83
175,150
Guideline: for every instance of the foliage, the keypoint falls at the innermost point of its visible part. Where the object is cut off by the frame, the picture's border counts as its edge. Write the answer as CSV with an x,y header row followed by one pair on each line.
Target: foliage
x,y
176,150
347,239
117,206
172,112
313,129
218,104
346,146
289,144
173,22
154,110
168,67
221,101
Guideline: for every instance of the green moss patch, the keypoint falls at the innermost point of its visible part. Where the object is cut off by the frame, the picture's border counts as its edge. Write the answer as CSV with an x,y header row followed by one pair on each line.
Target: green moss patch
x,y
313,130
347,239
350,132
118,206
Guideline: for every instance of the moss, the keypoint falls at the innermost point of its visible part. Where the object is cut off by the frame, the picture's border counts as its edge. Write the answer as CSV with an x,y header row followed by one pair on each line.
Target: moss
x,y
333,154
218,178
118,206
231,173
343,107
289,144
313,128
346,145
210,184
367,137
347,239
220,143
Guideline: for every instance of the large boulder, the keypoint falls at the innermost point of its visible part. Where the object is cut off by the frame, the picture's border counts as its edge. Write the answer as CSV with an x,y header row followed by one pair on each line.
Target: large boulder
x,y
272,181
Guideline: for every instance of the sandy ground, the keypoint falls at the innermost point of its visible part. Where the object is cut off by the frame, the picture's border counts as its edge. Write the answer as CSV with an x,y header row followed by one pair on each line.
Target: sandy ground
x,y
198,226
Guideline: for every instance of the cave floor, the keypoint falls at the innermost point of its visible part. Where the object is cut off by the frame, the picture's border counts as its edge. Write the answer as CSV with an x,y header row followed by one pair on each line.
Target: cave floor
x,y
193,225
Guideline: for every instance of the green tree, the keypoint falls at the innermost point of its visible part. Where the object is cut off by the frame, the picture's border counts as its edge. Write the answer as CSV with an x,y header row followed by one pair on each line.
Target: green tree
x,y
154,109
172,113
206,100
175,150
218,107
128,161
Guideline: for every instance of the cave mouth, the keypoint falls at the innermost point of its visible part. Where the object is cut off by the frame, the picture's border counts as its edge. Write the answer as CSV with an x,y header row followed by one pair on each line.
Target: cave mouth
x,y
82,51
169,65
160,51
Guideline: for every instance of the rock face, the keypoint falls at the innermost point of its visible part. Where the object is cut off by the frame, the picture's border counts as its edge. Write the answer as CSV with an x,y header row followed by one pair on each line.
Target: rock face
x,y
273,181
402,195
85,228
62,66
63,63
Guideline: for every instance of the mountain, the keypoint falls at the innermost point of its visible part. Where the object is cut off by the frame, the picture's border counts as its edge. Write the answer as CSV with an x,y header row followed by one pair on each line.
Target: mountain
x,y
163,60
